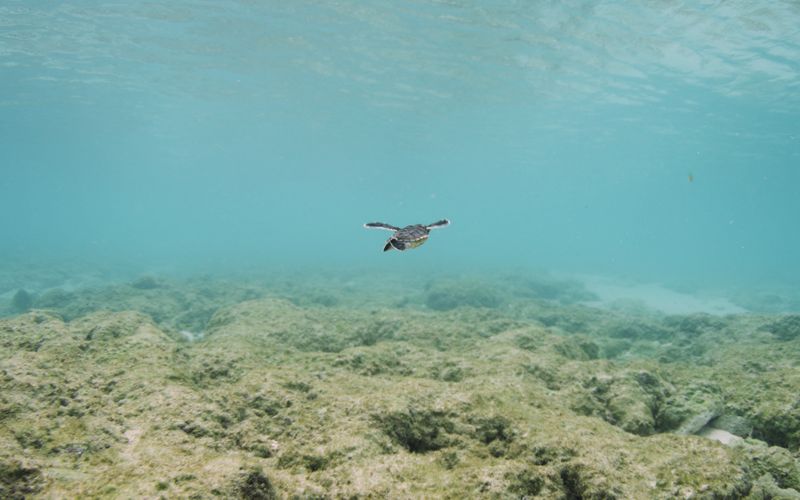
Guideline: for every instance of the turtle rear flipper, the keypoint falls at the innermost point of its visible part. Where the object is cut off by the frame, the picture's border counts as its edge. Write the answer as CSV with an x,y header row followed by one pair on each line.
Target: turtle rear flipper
x,y
396,244
381,225
438,224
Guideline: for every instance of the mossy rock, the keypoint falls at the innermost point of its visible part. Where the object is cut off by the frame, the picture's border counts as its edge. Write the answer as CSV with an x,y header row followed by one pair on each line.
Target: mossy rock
x,y
494,428
689,409
55,298
563,291
22,301
736,425
580,481
695,324
490,414
635,329
563,320
766,488
145,283
577,348
531,340
778,425
786,328
614,348
450,296
525,482
417,430
103,326
18,481
253,485
448,372
376,331
630,401
777,462
311,462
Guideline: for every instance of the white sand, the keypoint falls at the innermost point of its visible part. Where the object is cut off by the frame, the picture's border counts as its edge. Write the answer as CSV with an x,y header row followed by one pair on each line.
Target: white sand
x,y
654,296
723,437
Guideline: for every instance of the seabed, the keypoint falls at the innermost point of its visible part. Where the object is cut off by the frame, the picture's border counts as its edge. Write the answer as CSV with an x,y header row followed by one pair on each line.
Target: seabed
x,y
359,386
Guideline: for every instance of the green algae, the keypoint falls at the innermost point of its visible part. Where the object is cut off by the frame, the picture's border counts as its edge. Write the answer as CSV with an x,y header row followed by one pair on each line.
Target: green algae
x,y
417,430
290,398
785,328
18,480
447,296
254,485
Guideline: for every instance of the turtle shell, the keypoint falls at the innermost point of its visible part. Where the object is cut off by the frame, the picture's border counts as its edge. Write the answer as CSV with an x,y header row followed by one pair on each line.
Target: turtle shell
x,y
409,237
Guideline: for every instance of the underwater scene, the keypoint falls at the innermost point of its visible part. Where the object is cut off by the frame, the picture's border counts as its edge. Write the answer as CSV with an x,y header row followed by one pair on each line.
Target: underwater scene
x,y
400,249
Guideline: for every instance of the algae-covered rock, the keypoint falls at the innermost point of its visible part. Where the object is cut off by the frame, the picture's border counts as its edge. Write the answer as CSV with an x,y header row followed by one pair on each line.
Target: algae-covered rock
x,y
449,372
563,319
104,326
635,329
785,328
417,430
735,424
495,428
630,401
525,482
690,408
580,481
292,398
775,461
22,301
253,485
19,480
373,362
54,299
695,324
564,291
443,297
145,283
766,488
778,425
577,348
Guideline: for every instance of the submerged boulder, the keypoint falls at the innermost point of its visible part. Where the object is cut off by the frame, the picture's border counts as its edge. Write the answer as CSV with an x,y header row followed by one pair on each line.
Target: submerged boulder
x,y
444,297
145,283
54,299
417,430
630,402
253,485
19,480
775,461
690,409
22,301
736,425
786,328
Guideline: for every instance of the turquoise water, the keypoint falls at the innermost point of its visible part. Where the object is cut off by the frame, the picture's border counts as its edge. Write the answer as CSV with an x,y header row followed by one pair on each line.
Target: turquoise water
x,y
658,143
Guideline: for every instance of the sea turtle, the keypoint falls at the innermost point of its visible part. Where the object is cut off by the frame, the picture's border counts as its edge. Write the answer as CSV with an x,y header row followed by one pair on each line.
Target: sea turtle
x,y
408,237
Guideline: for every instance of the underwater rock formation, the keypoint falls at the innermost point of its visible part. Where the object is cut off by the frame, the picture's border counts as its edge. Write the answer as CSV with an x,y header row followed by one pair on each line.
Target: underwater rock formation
x,y
418,431
19,481
447,296
630,401
145,283
253,485
53,299
282,398
785,328
22,301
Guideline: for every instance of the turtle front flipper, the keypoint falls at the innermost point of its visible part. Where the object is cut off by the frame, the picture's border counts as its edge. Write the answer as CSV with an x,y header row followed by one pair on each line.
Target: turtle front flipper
x,y
438,224
380,225
388,246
